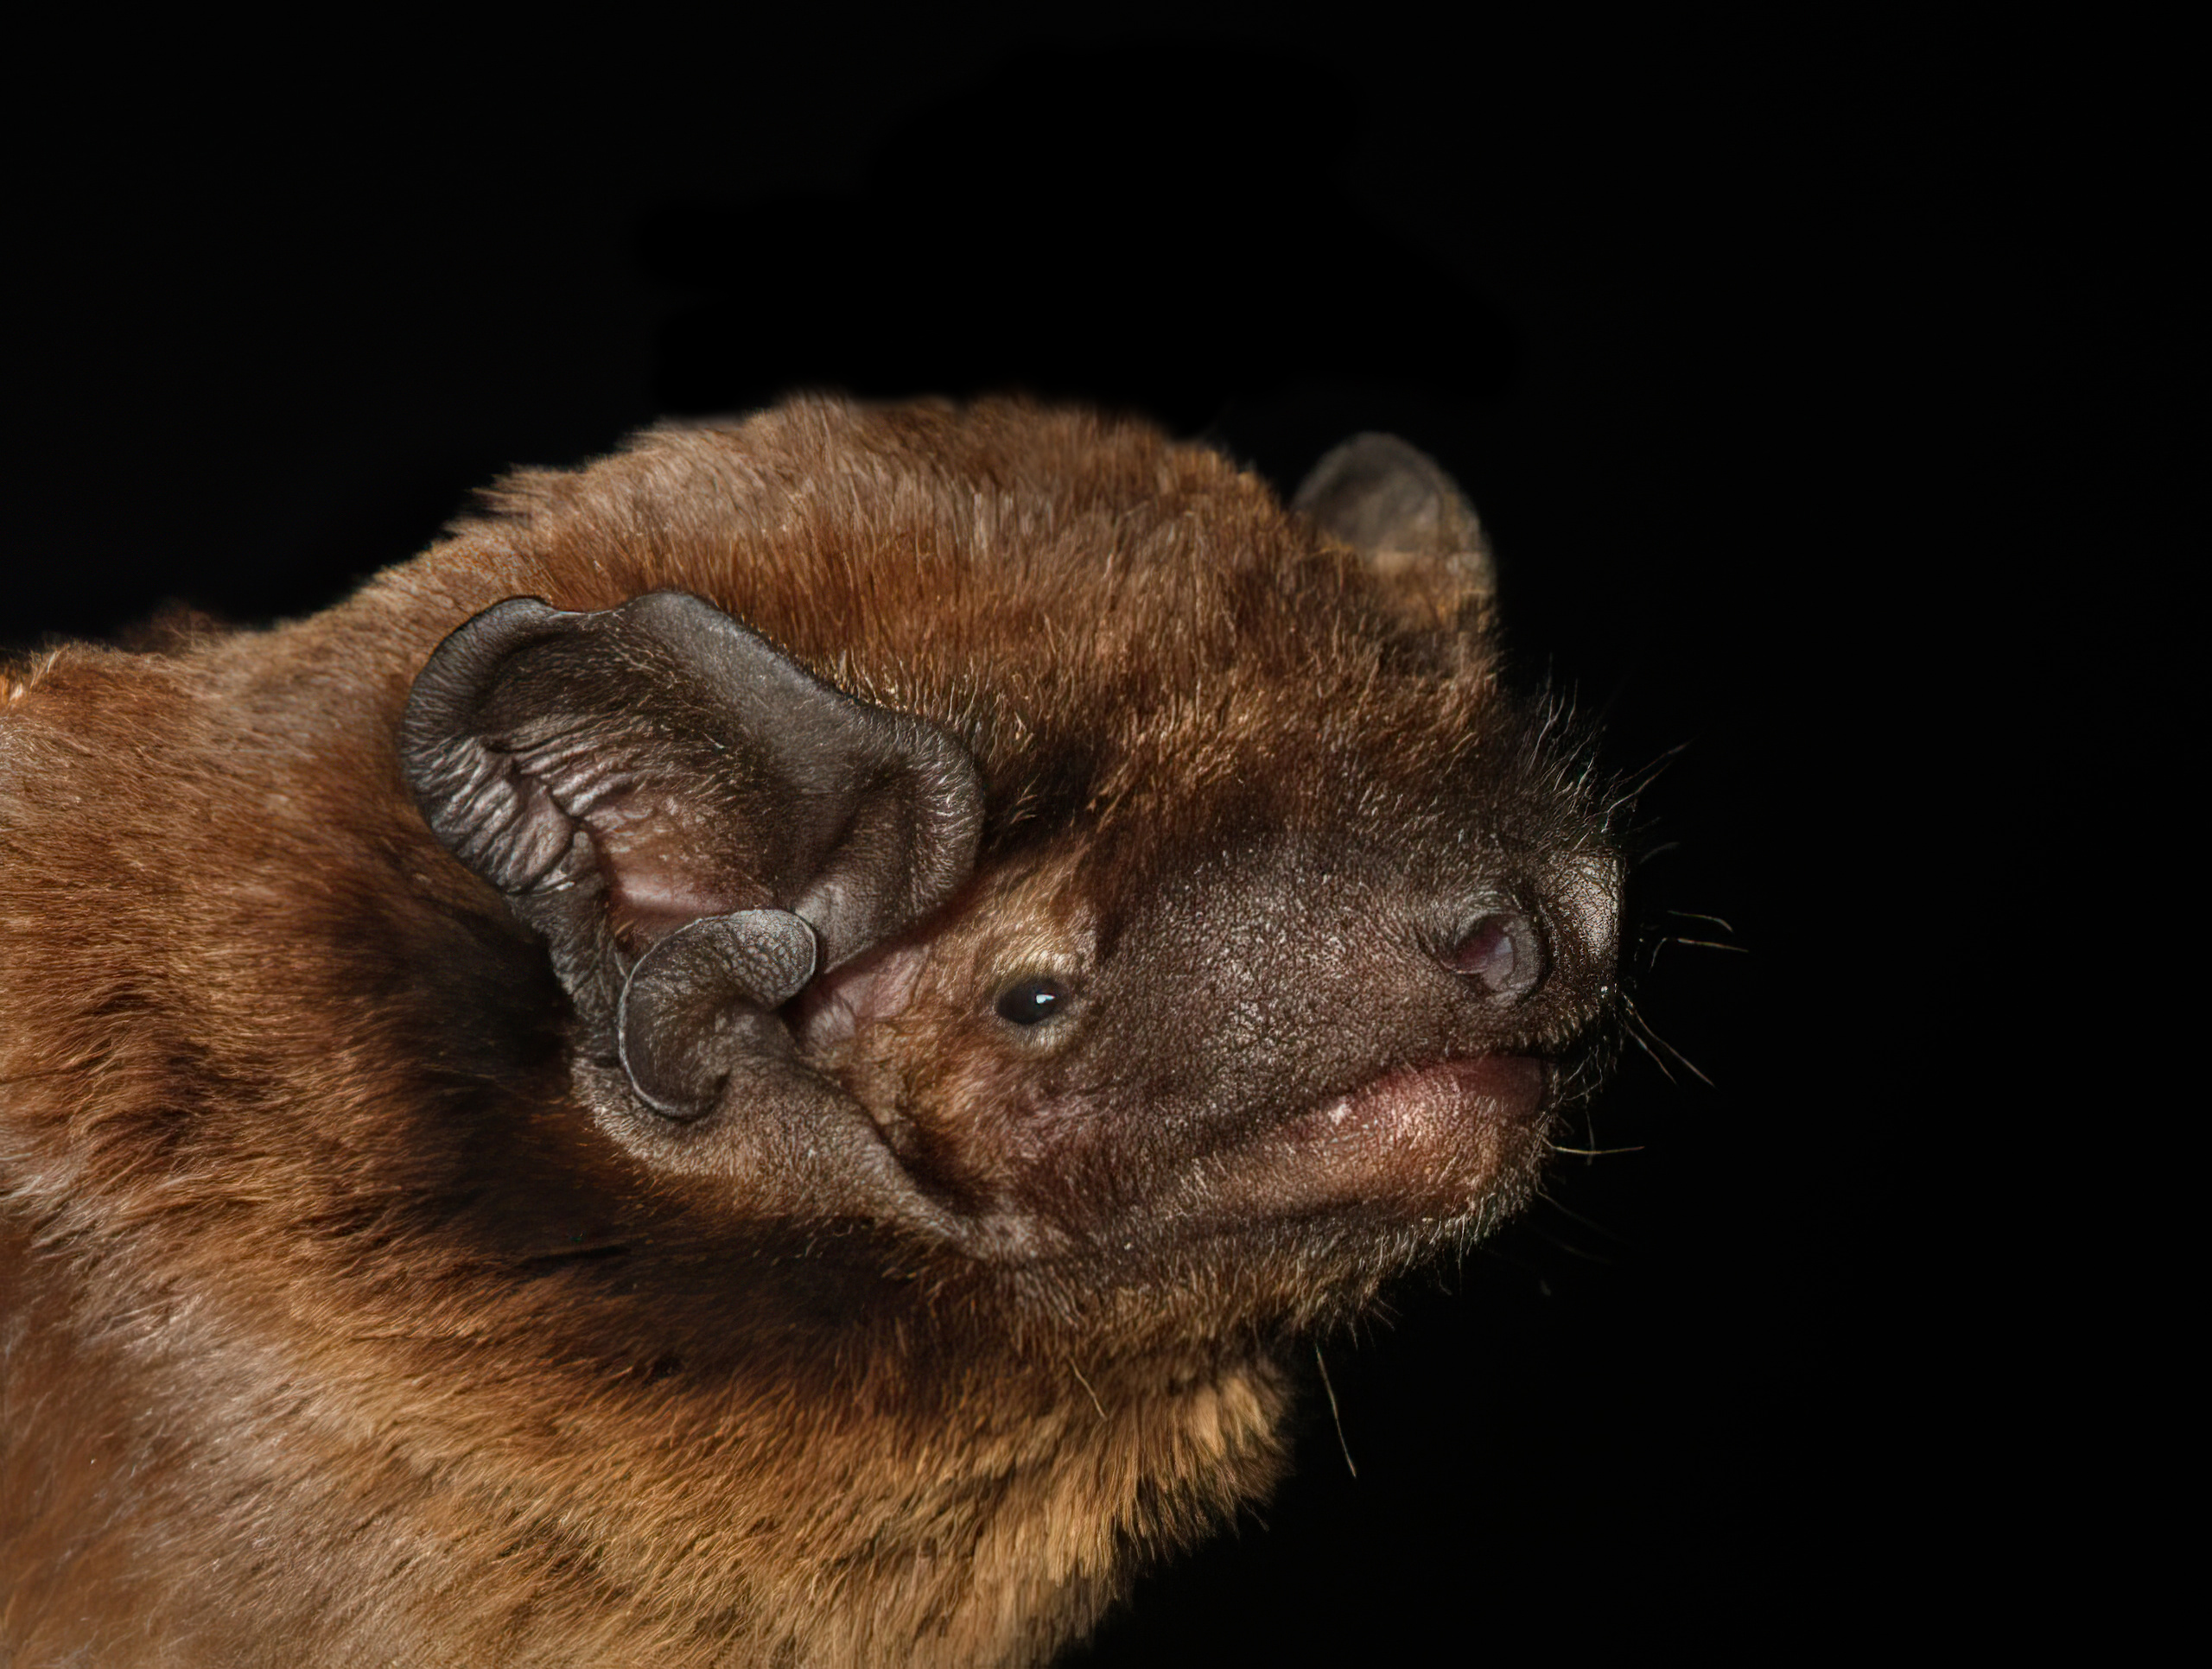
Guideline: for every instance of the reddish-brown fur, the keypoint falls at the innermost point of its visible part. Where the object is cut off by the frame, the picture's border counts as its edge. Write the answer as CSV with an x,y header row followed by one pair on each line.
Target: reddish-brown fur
x,y
345,1323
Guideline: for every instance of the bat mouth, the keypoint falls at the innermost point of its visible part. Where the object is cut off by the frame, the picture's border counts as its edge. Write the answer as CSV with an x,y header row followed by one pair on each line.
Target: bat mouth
x,y
1419,1142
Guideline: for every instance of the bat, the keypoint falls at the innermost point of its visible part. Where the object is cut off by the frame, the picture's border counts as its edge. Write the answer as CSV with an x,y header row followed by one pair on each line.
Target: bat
x,y
765,1055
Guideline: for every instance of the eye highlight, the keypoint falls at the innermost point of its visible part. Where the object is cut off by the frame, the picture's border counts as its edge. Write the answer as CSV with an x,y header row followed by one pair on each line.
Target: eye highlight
x,y
1032,1001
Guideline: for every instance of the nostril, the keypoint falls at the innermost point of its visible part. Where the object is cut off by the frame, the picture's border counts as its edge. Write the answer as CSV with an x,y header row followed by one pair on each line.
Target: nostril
x,y
1500,952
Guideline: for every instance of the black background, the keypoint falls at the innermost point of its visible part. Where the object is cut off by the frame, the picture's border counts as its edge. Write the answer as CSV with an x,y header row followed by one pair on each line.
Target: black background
x,y
1673,301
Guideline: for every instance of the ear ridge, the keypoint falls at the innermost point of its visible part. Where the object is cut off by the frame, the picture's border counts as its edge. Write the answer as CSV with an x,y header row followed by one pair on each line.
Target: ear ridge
x,y
500,820
703,999
621,775
1397,507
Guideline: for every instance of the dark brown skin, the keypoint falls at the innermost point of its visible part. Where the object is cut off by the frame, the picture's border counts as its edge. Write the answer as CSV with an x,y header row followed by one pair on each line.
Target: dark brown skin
x,y
786,1101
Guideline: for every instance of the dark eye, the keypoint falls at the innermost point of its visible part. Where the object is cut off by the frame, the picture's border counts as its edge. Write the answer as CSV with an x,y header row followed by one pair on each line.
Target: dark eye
x,y
1031,1001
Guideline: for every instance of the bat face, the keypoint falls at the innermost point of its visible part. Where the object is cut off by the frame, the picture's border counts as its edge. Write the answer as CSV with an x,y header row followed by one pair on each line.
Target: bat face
x,y
804,1010
1144,1051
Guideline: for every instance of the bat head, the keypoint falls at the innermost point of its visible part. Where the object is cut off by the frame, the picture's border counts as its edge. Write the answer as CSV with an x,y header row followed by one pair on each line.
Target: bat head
x,y
1137,899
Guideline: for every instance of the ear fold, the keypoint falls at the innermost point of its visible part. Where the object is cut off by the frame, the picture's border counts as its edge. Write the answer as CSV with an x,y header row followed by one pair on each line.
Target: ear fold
x,y
624,775
1417,529
699,1004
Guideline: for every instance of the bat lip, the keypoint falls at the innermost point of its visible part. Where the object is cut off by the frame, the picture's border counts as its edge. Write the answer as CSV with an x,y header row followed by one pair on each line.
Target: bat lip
x,y
1433,1143
1432,1140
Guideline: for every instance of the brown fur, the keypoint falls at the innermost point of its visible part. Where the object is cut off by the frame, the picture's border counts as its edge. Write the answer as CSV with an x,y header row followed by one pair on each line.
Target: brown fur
x,y
346,1321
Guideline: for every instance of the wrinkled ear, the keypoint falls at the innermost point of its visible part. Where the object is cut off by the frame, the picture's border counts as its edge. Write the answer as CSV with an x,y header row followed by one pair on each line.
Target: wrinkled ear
x,y
1418,531
621,776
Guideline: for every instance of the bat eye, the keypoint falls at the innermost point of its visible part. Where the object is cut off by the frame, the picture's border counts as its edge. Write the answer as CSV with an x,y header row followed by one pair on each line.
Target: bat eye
x,y
1500,952
1032,1001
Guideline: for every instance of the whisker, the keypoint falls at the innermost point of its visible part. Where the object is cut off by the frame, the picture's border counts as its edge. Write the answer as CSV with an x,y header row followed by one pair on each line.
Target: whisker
x,y
1595,1153
1636,1037
1662,941
1639,1028
1334,1413
1629,788
1700,915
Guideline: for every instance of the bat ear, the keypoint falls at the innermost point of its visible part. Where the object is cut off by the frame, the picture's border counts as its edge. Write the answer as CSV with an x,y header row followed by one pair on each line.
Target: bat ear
x,y
622,776
1420,534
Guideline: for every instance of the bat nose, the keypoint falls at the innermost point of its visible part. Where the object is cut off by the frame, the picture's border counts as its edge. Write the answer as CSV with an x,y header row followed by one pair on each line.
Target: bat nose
x,y
1534,949
1501,952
